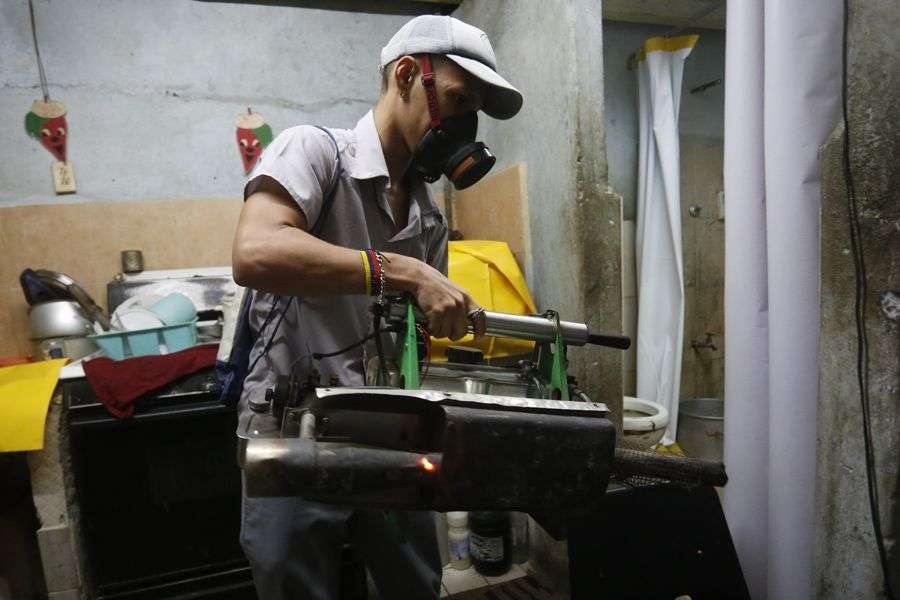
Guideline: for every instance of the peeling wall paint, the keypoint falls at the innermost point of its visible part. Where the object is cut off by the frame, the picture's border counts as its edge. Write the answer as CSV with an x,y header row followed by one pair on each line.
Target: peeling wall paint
x,y
890,305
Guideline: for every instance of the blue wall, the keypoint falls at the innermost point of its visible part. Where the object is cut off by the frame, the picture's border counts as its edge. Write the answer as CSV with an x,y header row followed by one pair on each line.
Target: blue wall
x,y
153,88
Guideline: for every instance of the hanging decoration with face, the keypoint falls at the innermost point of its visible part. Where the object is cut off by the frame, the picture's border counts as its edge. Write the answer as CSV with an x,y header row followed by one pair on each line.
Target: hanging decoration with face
x,y
47,123
253,134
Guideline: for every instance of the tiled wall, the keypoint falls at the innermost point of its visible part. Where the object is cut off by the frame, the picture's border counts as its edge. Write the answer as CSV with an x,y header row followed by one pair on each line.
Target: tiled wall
x,y
84,240
703,237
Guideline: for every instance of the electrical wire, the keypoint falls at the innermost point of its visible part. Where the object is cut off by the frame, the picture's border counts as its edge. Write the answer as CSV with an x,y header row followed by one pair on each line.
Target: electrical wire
x,y
426,337
37,53
321,355
380,376
356,344
360,342
376,334
862,353
269,343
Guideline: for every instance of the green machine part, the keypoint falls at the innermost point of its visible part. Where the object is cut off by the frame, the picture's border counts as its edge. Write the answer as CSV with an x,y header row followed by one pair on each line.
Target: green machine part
x,y
409,356
409,376
552,364
559,378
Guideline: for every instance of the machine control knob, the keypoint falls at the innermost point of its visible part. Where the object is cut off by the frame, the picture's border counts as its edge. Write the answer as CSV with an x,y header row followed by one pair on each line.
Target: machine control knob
x,y
465,355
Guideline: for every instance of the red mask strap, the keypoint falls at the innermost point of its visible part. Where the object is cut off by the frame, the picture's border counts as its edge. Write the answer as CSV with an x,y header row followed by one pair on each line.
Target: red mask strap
x,y
430,92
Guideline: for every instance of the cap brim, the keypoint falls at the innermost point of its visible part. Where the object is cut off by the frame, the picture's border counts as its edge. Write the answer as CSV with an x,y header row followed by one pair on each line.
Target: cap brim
x,y
502,100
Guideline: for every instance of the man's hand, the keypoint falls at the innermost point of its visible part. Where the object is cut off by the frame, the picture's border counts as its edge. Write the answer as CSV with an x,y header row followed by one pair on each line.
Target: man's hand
x,y
446,305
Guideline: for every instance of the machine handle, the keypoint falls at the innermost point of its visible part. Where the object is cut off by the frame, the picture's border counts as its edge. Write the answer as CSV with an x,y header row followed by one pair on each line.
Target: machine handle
x,y
541,329
621,342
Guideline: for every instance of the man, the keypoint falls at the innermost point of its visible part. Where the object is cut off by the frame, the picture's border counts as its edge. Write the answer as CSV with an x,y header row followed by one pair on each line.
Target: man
x,y
434,69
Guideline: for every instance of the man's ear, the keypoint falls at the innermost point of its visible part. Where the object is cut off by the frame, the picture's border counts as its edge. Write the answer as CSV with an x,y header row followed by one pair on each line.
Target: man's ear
x,y
405,70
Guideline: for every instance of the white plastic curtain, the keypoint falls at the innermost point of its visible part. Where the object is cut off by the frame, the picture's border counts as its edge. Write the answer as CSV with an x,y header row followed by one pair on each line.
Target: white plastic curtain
x,y
658,254
782,95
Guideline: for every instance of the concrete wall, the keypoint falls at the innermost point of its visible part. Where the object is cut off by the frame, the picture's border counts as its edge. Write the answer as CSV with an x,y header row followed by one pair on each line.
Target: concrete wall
x,y
701,133
553,51
559,136
846,564
153,88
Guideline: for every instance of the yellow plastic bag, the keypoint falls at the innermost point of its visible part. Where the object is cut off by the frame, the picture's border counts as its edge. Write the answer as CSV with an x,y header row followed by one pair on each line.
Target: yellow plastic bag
x,y
491,275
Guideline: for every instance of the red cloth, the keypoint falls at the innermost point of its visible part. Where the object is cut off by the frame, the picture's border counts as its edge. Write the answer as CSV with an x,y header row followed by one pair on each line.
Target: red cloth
x,y
118,383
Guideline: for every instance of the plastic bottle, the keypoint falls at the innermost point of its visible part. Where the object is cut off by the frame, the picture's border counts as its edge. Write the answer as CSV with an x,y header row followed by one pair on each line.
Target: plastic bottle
x,y
490,542
440,524
458,538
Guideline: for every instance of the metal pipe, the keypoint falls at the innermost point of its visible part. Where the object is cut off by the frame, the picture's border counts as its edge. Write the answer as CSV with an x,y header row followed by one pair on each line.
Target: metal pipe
x,y
537,328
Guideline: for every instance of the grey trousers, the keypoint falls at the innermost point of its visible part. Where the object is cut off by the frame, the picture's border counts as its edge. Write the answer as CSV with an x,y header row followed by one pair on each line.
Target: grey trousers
x,y
294,548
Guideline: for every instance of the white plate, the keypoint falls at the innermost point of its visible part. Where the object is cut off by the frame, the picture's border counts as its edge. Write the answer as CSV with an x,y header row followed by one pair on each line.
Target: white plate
x,y
138,318
144,301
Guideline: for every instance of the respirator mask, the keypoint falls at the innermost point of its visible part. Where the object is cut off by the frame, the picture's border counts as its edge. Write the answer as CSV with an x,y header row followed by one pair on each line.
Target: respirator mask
x,y
449,147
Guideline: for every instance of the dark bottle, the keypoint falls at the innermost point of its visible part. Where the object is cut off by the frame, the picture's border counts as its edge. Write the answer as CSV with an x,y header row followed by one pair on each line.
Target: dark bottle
x,y
490,542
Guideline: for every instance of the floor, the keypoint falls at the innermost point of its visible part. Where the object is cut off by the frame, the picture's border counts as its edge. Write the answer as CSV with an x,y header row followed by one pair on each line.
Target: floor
x,y
456,582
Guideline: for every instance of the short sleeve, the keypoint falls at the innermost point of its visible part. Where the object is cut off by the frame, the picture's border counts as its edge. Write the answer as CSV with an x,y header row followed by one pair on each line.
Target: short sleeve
x,y
302,160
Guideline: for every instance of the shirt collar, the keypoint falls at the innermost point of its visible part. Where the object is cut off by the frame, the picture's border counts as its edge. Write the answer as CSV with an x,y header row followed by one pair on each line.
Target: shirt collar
x,y
367,162
368,157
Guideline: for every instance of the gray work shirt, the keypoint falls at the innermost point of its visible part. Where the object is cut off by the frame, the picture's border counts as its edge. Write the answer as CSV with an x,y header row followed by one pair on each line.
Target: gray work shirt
x,y
302,159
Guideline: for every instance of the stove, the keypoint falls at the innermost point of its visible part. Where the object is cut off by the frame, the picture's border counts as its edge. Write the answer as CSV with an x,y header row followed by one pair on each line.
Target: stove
x,y
159,494
194,395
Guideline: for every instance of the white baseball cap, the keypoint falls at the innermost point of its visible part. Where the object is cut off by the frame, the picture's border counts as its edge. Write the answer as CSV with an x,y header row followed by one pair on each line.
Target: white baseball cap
x,y
465,45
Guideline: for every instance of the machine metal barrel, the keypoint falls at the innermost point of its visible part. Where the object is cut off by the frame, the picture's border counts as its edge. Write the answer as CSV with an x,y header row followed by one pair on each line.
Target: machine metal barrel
x,y
539,329
542,329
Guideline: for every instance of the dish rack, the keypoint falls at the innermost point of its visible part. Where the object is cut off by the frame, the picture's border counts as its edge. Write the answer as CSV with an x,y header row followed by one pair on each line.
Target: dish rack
x,y
147,342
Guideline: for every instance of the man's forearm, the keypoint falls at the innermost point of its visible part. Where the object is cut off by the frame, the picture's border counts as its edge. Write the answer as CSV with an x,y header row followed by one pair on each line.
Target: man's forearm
x,y
293,262
289,261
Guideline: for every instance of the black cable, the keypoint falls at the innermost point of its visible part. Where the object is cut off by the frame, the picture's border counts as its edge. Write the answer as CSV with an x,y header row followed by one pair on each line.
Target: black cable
x,y
862,348
379,350
356,344
268,345
40,64
271,315
321,355
376,333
